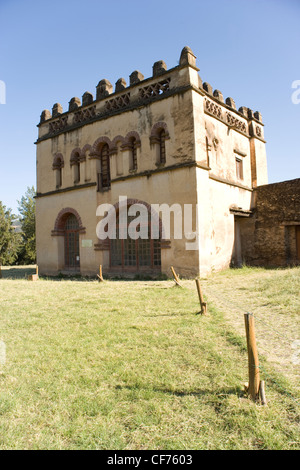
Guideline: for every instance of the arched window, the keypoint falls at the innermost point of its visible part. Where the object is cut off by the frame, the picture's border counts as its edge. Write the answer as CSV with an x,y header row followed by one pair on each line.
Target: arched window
x,y
162,146
158,137
68,228
57,166
140,255
133,153
75,163
86,163
117,151
77,172
59,177
105,167
71,235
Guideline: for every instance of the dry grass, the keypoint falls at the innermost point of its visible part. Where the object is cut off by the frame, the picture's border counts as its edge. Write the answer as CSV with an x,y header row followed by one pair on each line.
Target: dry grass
x,y
273,297
131,365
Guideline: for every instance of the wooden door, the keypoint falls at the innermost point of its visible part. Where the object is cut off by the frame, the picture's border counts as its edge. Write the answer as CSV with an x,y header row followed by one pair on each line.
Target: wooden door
x,y
72,243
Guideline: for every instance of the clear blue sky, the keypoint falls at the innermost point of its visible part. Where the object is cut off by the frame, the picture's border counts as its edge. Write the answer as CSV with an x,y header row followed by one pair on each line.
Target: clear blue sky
x,y
53,50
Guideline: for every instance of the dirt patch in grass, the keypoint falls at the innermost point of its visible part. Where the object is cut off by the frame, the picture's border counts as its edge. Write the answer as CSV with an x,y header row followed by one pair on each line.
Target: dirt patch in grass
x,y
273,297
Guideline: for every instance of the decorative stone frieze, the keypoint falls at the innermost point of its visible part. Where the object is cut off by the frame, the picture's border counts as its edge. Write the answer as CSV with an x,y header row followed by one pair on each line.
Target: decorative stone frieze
x,y
84,115
118,102
155,89
59,124
236,123
212,108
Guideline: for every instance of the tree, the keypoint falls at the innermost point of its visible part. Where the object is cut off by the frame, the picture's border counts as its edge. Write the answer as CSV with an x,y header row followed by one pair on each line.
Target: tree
x,y
10,241
26,208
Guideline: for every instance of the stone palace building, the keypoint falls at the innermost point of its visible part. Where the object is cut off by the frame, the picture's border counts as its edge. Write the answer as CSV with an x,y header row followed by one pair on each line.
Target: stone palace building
x,y
167,139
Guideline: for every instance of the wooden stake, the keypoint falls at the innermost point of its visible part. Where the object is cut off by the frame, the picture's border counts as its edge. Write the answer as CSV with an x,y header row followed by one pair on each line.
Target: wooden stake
x,y
203,304
262,392
253,364
34,277
100,277
176,278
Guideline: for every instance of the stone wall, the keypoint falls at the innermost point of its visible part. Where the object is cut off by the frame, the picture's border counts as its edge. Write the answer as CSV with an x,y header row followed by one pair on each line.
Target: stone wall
x,y
269,238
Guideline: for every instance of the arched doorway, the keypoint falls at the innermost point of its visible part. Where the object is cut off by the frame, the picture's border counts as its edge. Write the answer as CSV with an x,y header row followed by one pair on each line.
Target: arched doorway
x,y
71,236
140,255
68,228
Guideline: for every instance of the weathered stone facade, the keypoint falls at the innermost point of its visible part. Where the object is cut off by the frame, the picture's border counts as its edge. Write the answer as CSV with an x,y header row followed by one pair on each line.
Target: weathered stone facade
x,y
168,139
271,237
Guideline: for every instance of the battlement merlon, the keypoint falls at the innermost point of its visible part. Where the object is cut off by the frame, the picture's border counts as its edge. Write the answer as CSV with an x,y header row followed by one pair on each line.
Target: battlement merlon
x,y
104,88
140,91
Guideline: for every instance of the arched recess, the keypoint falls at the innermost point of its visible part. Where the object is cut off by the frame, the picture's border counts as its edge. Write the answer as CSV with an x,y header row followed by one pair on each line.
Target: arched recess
x,y
132,135
101,150
85,152
98,144
61,219
132,143
68,226
156,129
115,142
158,137
116,153
85,149
57,166
75,161
127,254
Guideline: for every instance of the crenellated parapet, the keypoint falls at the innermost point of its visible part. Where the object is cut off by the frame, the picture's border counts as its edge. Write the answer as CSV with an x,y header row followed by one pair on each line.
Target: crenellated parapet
x,y
74,104
109,99
163,83
104,89
87,98
243,120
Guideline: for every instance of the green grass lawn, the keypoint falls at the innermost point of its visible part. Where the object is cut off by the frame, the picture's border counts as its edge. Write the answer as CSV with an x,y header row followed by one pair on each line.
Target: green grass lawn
x,y
131,365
